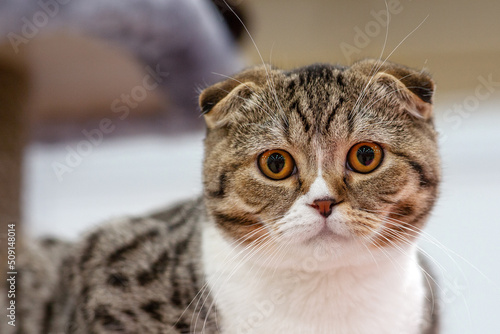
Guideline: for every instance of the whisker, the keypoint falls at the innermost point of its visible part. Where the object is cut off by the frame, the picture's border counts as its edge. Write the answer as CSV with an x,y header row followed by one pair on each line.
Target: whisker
x,y
375,68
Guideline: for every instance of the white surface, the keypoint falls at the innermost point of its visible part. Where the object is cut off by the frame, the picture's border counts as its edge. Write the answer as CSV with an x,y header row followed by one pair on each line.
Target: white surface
x,y
119,177
134,175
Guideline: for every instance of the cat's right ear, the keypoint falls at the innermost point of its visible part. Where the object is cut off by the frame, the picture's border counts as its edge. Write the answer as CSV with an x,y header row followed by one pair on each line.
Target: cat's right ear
x,y
413,89
220,103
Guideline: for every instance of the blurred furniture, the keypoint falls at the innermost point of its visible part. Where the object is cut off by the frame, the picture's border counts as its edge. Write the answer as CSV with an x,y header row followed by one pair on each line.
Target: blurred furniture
x,y
13,92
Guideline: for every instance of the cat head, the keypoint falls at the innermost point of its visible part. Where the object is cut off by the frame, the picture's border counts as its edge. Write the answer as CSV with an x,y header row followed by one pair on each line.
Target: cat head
x,y
321,156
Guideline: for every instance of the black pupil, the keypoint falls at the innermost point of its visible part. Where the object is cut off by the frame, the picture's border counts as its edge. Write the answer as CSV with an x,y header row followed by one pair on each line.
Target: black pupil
x,y
365,155
276,162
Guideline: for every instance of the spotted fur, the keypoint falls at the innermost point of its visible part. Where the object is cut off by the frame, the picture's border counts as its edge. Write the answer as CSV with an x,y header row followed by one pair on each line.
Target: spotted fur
x,y
215,264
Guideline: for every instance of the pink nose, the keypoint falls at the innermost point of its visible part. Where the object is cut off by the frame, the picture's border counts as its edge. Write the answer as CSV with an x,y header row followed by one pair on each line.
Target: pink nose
x,y
324,206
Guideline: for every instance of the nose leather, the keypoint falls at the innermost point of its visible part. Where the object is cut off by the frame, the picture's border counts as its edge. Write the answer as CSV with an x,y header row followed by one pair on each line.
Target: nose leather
x,y
324,206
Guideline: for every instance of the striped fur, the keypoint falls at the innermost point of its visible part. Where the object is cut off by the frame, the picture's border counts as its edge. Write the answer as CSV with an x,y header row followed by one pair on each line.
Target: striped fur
x,y
136,275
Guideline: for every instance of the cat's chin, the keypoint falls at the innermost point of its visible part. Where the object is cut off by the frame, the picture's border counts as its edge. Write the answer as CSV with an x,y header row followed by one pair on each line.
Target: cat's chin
x,y
331,232
326,234
323,250
326,241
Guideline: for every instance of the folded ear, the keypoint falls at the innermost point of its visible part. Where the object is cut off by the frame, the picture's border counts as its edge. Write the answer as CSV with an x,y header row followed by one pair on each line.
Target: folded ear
x,y
218,102
414,89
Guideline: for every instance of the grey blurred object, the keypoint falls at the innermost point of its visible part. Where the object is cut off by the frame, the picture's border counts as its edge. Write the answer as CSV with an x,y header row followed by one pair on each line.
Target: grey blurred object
x,y
185,38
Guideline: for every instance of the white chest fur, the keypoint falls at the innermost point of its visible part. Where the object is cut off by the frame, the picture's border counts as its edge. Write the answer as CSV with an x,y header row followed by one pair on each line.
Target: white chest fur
x,y
385,296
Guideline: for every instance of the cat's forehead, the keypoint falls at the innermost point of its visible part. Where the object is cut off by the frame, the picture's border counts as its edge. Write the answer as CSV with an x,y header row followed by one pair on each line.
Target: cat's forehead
x,y
317,105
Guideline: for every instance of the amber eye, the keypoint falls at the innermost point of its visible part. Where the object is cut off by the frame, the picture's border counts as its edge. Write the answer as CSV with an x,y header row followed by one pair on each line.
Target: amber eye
x,y
276,164
365,157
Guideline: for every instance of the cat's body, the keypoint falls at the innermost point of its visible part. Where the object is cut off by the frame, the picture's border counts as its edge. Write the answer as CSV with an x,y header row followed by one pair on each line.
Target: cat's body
x,y
316,184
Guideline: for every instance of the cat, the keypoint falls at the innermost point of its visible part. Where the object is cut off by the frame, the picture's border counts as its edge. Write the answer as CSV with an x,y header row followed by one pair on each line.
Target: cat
x,y
317,182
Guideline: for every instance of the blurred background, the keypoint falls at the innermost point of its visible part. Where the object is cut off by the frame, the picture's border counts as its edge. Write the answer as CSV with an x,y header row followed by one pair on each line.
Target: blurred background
x,y
108,123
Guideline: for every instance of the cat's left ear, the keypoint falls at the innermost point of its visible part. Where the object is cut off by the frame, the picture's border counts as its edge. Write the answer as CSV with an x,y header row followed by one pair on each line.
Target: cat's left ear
x,y
414,89
221,102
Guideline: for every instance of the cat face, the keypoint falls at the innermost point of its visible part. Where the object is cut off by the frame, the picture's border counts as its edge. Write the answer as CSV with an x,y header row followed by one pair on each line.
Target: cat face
x,y
321,155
